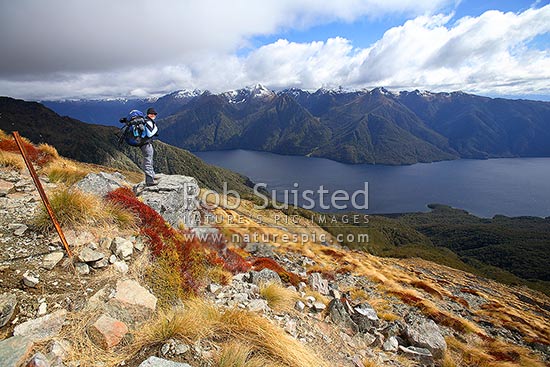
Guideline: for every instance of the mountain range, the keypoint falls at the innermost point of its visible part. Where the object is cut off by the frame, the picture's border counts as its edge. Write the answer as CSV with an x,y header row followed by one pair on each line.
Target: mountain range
x,y
368,126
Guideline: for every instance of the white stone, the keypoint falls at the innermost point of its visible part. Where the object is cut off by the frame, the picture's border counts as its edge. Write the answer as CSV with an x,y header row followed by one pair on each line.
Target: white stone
x,y
121,267
51,260
42,309
30,279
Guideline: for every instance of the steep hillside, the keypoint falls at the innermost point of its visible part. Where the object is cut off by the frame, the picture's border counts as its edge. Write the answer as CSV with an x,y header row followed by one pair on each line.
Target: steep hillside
x,y
99,145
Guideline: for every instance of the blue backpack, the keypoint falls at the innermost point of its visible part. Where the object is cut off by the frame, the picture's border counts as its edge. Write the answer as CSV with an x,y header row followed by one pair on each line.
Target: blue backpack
x,y
135,131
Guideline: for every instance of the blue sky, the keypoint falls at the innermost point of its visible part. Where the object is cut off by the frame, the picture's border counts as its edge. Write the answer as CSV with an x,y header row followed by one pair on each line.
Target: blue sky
x,y
495,48
365,31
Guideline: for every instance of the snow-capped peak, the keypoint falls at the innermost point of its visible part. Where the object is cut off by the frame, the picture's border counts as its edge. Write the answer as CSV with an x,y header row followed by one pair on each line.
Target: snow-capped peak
x,y
257,91
185,93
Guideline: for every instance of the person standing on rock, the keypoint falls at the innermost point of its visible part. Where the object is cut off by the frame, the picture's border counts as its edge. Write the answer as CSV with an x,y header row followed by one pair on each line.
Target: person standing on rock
x,y
147,148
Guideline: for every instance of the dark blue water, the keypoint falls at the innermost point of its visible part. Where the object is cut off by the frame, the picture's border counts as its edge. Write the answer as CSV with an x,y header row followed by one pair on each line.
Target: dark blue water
x,y
510,186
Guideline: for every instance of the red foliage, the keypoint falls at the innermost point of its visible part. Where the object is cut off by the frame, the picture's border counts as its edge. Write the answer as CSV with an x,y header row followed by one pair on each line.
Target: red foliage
x,y
193,255
152,224
37,156
267,263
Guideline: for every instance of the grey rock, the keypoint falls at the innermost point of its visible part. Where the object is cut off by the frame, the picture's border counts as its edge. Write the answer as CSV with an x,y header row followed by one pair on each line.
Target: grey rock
x,y
39,360
51,260
102,183
131,302
319,306
42,328
241,277
260,249
15,351
340,316
214,288
5,187
421,355
175,198
317,283
121,267
257,305
57,350
87,254
425,333
391,344
20,230
122,248
299,306
335,293
112,259
42,309
8,302
264,276
139,245
100,263
30,279
82,268
159,362
365,317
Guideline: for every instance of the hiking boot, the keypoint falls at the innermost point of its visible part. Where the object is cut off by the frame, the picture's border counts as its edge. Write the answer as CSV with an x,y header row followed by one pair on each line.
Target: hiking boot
x,y
151,183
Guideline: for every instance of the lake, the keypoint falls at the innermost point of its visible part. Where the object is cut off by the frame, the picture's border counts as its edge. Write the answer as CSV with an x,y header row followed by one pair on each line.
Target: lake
x,y
508,186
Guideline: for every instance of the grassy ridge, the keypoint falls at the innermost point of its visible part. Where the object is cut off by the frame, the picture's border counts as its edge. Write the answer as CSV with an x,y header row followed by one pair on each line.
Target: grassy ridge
x,y
509,250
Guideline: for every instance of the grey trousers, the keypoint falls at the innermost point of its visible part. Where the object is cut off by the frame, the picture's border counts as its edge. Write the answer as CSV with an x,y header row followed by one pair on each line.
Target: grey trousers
x,y
147,166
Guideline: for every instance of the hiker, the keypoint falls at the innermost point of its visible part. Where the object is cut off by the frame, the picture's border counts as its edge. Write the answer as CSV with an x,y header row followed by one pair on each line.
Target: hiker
x,y
147,149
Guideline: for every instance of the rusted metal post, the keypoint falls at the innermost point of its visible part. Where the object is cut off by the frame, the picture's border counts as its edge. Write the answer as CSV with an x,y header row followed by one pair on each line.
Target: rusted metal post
x,y
41,191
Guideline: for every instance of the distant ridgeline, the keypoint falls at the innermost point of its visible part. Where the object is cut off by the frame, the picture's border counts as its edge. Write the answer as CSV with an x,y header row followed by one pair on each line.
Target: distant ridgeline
x,y
377,126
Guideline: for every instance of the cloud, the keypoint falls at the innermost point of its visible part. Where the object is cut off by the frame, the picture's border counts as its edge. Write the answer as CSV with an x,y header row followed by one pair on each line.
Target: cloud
x,y
197,48
102,35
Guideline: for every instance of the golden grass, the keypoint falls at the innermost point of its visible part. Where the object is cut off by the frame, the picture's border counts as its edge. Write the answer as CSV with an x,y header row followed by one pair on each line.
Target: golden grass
x,y
489,353
3,135
49,150
165,280
368,362
11,160
199,319
427,286
278,297
65,171
238,354
75,209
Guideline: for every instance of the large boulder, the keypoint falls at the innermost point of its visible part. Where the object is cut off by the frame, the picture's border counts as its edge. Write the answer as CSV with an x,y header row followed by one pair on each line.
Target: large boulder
x,y
175,197
425,333
102,183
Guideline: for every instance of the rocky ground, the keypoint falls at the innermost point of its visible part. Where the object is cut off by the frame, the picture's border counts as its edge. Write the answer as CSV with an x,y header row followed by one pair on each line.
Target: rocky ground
x,y
374,312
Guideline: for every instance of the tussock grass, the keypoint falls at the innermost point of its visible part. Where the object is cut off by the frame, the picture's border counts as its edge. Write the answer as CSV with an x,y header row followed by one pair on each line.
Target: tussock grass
x,y
238,354
490,353
75,209
65,171
278,297
11,160
368,362
49,150
199,319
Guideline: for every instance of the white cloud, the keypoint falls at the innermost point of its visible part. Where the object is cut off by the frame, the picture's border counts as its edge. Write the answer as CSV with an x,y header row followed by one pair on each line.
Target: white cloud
x,y
485,54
